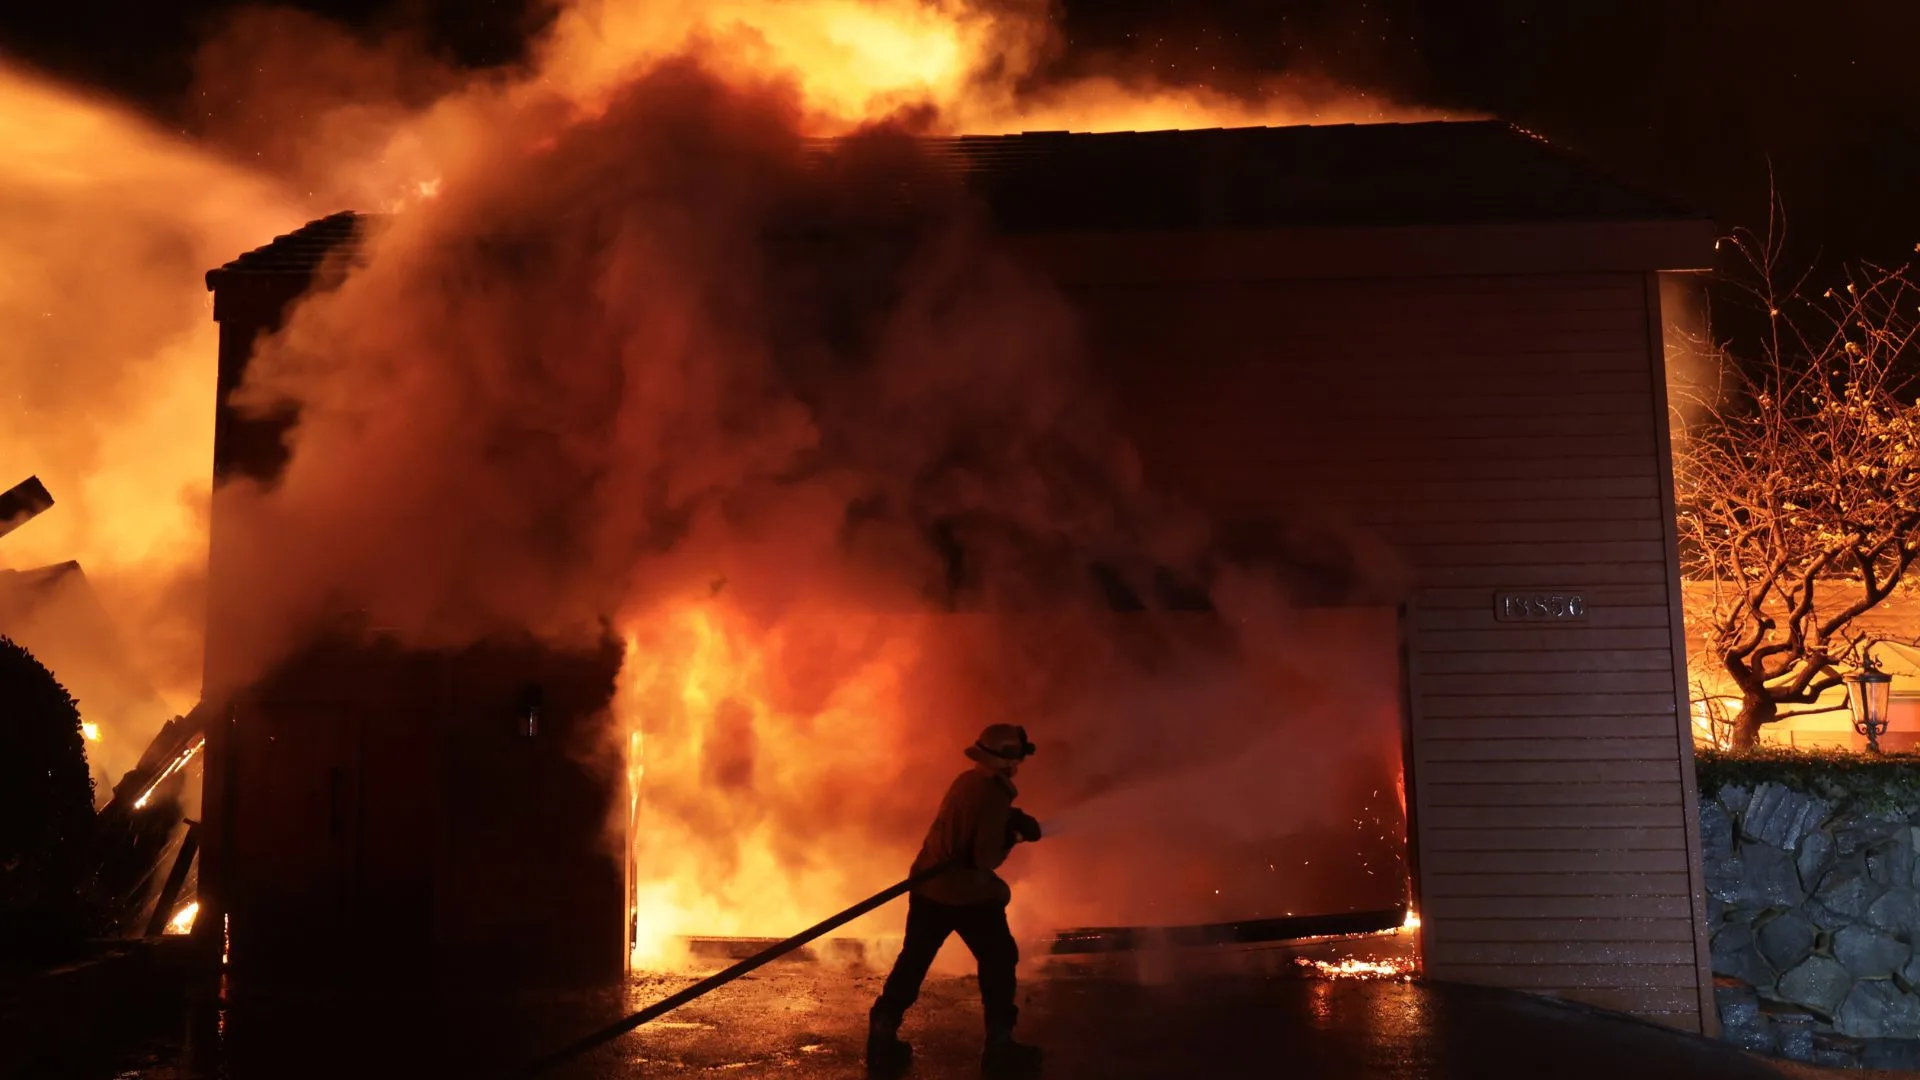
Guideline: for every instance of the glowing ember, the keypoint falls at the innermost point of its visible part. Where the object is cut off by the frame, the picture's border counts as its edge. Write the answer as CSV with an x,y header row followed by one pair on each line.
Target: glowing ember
x,y
178,763
1393,967
90,732
1353,968
182,921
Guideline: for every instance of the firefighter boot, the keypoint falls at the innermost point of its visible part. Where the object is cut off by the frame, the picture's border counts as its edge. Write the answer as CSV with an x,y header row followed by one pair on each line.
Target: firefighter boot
x,y
887,1053
1006,1058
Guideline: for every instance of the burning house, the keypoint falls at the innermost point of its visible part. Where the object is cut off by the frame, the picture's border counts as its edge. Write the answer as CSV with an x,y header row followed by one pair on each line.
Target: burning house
x,y
1418,364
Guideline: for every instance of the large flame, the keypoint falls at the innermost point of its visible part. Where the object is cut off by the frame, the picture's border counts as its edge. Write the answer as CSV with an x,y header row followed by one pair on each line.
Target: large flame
x,y
784,770
730,755
942,66
979,67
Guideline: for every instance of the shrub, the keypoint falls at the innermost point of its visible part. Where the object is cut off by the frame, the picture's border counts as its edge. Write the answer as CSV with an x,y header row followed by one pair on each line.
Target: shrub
x,y
46,812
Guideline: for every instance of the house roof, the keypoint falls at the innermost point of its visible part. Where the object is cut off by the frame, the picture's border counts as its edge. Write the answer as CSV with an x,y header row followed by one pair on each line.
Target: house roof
x,y
1339,176
298,253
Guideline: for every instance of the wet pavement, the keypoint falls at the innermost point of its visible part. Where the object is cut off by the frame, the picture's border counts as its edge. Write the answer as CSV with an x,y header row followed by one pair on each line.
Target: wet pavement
x,y
1106,1018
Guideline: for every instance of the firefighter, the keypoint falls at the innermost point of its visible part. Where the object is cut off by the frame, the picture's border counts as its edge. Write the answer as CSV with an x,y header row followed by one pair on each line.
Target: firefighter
x,y
976,827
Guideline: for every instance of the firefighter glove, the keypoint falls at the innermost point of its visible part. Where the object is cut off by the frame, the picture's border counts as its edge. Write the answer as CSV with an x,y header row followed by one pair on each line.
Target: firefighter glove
x,y
1023,826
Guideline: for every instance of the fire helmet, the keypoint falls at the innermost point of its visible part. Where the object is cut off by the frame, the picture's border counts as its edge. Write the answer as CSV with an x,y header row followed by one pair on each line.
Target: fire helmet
x,y
1001,743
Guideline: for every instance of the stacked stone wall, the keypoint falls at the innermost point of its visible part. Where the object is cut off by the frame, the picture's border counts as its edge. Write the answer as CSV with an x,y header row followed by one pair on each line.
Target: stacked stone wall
x,y
1814,914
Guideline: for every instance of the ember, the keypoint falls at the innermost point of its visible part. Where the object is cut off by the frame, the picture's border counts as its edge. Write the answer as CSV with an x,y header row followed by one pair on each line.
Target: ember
x,y
1350,968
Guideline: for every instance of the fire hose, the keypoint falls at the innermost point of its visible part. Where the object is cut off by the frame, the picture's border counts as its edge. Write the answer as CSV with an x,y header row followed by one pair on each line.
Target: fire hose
x,y
721,978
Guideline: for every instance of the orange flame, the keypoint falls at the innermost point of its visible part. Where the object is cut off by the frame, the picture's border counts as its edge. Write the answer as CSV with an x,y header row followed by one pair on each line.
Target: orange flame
x,y
857,60
182,921
943,66
725,759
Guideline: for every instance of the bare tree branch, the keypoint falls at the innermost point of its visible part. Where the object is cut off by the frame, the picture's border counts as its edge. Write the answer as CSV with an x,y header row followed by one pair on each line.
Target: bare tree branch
x,y
1797,475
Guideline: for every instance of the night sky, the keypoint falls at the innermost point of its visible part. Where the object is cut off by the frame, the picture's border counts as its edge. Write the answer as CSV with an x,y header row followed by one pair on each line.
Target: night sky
x,y
1696,99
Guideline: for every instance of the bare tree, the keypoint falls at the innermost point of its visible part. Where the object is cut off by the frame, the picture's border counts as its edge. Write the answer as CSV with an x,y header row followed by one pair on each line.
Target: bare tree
x,y
1797,472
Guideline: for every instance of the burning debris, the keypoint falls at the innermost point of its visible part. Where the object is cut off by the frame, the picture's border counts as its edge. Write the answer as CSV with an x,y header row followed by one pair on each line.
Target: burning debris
x,y
55,611
173,766
1353,968
182,921
1391,957
22,503
147,840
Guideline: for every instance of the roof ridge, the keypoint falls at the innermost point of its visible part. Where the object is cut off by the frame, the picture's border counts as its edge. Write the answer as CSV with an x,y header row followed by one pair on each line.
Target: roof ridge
x,y
1423,172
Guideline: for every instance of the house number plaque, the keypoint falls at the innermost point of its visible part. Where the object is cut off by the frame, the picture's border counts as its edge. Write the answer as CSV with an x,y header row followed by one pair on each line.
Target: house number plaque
x,y
1560,605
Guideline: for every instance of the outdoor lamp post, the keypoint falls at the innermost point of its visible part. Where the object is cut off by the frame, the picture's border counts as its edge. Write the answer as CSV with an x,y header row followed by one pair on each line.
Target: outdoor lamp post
x,y
1867,693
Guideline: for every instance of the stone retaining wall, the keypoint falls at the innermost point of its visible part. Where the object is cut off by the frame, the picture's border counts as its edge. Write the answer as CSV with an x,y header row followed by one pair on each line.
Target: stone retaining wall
x,y
1814,910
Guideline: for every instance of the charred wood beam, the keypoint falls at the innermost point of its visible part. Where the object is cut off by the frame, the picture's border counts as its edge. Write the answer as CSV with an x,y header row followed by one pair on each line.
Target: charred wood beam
x,y
176,880
174,738
23,502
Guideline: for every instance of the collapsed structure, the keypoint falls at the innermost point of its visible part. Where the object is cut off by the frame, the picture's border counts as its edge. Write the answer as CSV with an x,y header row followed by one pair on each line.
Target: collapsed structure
x,y
1441,340
139,868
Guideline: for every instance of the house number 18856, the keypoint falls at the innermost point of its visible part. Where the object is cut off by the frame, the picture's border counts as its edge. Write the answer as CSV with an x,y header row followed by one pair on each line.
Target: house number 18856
x,y
1539,606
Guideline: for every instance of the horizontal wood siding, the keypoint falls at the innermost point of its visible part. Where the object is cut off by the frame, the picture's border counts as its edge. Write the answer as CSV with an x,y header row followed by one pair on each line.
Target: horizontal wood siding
x,y
1495,433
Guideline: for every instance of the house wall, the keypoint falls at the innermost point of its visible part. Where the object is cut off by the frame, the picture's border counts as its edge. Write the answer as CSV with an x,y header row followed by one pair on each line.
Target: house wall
x,y
1488,433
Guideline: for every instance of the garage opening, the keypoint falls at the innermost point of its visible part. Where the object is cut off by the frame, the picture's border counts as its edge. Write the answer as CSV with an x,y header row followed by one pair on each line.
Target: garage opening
x,y
1219,769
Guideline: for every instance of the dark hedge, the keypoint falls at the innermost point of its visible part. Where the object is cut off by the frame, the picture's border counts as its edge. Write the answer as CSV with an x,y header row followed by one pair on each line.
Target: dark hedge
x,y
46,812
1884,782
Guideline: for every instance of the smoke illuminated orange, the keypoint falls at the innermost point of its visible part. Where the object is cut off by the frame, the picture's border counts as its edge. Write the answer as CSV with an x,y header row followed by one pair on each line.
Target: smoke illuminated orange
x,y
107,360
110,357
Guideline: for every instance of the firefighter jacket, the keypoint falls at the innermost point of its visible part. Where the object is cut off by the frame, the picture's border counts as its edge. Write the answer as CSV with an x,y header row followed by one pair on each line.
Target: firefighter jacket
x,y
972,830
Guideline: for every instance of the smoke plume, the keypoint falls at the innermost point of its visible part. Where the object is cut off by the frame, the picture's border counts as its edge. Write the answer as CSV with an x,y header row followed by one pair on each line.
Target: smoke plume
x,y
837,468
